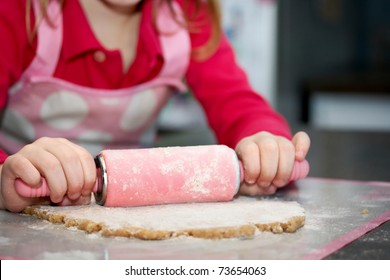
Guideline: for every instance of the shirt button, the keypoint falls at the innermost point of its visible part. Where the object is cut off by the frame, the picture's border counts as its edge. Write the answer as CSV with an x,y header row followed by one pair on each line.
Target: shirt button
x,y
99,56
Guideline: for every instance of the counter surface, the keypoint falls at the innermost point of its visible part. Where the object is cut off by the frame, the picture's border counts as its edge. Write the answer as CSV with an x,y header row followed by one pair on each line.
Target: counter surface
x,y
338,212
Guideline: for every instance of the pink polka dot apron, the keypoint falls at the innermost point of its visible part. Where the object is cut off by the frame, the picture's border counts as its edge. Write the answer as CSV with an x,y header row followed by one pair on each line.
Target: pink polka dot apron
x,y
41,105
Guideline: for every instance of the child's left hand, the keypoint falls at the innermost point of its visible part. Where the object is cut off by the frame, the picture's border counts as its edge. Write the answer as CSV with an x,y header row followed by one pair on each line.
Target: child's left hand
x,y
268,160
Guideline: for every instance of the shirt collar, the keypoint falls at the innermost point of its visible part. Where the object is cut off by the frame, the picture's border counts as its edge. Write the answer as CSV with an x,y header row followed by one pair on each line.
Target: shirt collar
x,y
77,34
79,37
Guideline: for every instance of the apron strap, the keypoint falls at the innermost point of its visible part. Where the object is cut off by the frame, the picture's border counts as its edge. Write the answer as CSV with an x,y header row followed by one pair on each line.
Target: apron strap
x,y
49,40
173,35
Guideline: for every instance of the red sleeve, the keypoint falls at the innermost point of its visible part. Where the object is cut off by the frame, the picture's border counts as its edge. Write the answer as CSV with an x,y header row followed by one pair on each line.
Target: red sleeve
x,y
234,110
3,156
15,51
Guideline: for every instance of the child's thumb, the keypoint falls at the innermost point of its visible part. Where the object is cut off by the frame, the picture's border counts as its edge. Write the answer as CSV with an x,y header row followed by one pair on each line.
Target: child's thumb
x,y
301,143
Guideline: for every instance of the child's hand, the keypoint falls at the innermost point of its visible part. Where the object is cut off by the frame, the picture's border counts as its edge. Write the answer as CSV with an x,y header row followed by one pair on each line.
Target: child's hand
x,y
69,171
268,160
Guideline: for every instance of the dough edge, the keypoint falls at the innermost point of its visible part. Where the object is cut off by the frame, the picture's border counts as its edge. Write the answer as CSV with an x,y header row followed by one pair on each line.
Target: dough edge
x,y
241,231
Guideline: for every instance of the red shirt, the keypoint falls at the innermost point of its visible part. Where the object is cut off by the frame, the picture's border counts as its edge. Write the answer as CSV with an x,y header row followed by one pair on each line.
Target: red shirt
x,y
232,107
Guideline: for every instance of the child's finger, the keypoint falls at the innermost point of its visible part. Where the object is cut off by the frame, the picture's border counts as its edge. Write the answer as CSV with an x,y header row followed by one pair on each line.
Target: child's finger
x,y
88,167
19,167
301,143
269,161
10,171
253,190
82,200
286,162
248,153
51,169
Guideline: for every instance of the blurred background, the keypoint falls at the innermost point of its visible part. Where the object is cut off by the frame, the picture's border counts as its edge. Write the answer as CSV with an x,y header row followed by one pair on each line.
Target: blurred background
x,y
324,65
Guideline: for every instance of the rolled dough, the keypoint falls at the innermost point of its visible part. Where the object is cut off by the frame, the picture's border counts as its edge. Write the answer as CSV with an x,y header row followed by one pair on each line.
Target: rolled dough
x,y
240,218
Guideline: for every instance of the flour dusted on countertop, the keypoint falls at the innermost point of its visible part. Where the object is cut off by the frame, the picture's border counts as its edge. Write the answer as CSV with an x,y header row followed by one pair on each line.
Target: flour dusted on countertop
x,y
242,217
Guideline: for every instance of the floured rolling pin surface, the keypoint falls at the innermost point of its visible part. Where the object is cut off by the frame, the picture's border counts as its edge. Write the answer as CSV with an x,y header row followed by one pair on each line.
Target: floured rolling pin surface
x,y
141,177
243,217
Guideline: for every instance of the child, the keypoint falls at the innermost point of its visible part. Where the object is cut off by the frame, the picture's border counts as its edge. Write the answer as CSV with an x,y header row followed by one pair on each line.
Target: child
x,y
80,76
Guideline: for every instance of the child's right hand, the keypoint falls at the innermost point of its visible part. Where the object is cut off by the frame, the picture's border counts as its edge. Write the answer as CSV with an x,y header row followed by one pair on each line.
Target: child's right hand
x,y
68,169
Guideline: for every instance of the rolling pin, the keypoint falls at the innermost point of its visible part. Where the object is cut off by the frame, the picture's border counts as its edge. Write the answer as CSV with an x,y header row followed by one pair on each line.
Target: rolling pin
x,y
137,177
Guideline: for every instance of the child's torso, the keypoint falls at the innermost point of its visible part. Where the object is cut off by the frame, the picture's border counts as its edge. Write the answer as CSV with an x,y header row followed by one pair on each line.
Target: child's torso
x,y
42,105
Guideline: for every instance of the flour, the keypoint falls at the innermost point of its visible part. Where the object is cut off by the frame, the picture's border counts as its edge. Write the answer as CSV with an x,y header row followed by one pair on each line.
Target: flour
x,y
71,255
5,240
240,216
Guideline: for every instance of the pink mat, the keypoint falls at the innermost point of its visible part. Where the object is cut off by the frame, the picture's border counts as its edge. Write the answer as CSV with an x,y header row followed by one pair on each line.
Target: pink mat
x,y
380,193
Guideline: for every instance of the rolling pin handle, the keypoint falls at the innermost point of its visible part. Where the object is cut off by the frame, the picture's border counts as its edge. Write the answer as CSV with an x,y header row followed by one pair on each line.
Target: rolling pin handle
x,y
42,191
27,191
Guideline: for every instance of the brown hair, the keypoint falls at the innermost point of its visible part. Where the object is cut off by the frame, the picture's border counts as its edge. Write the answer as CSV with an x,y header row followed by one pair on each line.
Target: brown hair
x,y
32,30
199,53
214,16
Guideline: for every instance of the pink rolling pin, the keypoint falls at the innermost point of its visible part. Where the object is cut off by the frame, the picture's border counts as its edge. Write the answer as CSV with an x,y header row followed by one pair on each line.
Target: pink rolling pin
x,y
154,176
